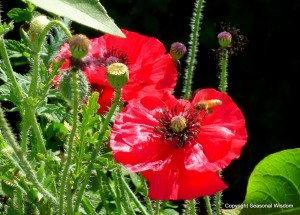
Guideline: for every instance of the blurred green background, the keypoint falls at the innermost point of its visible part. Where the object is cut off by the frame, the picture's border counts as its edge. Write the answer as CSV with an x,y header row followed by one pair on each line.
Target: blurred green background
x,y
262,79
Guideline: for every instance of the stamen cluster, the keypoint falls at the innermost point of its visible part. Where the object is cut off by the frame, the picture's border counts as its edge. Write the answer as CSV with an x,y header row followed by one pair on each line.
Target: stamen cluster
x,y
176,138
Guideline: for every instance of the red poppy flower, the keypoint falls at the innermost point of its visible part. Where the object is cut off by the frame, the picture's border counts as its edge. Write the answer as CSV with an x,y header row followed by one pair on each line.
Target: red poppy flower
x,y
178,145
151,70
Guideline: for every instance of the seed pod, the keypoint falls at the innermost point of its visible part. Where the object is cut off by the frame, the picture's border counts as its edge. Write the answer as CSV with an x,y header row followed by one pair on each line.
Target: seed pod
x,y
117,75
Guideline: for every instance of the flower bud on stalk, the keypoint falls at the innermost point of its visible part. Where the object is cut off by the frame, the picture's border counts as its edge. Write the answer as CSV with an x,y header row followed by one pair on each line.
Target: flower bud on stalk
x,y
177,51
66,86
224,39
79,46
117,75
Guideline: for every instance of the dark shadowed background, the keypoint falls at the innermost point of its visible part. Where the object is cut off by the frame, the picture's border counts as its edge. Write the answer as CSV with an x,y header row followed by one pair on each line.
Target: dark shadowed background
x,y
262,79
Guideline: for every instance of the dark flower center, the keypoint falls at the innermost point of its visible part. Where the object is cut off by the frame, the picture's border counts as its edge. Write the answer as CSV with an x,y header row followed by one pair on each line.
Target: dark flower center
x,y
178,127
112,55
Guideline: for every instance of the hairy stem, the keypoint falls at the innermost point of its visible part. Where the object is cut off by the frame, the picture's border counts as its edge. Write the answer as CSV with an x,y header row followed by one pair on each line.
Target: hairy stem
x,y
9,71
223,65
122,196
208,205
147,199
132,196
37,47
192,53
218,199
70,145
30,119
157,207
23,162
192,207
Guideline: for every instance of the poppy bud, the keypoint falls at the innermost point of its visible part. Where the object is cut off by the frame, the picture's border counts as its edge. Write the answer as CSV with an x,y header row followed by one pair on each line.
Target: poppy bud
x,y
79,46
66,86
178,124
224,39
117,75
37,25
177,51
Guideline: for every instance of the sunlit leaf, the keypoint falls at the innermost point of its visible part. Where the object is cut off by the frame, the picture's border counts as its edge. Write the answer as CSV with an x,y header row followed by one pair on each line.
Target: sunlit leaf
x,y
19,14
274,185
88,12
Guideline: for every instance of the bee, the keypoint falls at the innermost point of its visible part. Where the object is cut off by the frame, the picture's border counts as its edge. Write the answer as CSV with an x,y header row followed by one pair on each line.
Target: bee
x,y
207,105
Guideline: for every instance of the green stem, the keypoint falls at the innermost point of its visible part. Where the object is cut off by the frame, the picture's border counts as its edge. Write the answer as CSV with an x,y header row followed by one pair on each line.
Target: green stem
x,y
118,198
192,53
81,146
133,197
147,199
98,147
24,164
35,76
30,119
224,64
157,207
208,205
102,191
70,145
223,88
123,195
69,198
37,47
192,207
25,129
20,201
218,199
45,31
9,71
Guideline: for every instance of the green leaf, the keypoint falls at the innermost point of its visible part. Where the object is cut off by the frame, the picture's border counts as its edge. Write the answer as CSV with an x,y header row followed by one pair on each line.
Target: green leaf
x,y
89,13
8,188
87,205
274,185
17,52
19,14
90,109
4,28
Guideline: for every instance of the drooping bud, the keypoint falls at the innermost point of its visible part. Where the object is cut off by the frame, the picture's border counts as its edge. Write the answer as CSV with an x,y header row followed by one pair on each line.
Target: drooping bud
x,y
37,25
178,124
177,51
224,39
117,75
66,86
79,46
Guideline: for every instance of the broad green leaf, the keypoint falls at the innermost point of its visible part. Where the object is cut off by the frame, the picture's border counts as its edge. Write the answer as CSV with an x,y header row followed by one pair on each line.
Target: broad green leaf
x,y
86,12
274,185
19,14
